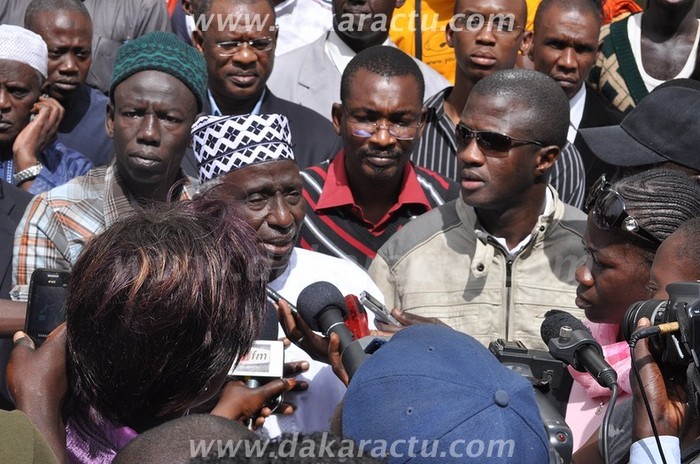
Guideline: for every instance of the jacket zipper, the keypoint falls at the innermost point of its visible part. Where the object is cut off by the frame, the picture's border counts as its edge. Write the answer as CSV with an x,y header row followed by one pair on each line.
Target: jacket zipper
x,y
509,268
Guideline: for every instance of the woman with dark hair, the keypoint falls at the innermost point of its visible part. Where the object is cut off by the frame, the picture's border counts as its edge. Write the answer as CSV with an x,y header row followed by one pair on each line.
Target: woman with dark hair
x,y
160,307
627,222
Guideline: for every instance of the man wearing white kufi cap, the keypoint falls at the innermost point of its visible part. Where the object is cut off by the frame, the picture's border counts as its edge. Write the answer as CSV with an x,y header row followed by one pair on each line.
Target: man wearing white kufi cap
x,y
29,155
249,159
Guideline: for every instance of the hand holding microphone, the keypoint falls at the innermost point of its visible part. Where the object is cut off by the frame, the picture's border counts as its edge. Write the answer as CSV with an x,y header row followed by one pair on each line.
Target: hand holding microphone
x,y
299,333
322,307
240,402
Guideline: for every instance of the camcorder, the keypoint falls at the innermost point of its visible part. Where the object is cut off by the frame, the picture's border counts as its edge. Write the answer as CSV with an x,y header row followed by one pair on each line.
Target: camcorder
x,y
551,382
676,347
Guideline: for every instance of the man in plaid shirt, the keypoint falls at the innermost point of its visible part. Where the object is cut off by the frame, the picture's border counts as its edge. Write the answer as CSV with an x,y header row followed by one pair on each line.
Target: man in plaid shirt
x,y
157,90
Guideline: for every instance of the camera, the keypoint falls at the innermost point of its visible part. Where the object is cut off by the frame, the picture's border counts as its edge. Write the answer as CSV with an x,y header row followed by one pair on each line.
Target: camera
x,y
673,351
552,383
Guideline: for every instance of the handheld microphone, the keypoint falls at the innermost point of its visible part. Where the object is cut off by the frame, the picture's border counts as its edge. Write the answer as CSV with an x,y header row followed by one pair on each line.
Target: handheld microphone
x,y
262,364
571,342
322,307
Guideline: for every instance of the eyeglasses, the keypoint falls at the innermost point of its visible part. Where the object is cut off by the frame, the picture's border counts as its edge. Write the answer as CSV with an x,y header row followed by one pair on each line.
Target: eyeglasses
x,y
232,47
491,143
609,211
365,129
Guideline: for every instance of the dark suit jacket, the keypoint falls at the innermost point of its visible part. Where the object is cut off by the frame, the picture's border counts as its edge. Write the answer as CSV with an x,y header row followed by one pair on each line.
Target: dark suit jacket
x,y
597,112
313,138
13,202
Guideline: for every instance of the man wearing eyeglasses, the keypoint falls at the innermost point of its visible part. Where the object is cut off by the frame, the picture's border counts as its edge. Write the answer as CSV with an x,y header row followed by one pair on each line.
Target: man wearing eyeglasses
x,y
356,202
494,261
237,39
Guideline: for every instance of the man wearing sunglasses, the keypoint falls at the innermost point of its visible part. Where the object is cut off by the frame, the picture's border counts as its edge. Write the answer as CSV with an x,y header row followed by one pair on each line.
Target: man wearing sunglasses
x,y
238,39
494,261
371,189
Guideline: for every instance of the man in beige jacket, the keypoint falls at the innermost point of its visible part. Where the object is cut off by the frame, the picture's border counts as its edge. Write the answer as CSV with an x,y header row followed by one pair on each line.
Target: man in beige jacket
x,y
494,261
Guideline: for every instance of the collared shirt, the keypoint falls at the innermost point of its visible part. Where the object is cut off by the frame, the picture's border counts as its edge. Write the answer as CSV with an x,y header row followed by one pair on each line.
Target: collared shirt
x,y
340,53
576,105
61,164
336,225
301,22
217,112
337,193
57,224
548,210
437,147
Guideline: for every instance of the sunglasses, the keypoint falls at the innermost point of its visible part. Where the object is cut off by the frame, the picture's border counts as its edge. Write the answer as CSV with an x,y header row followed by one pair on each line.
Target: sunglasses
x,y
491,143
609,211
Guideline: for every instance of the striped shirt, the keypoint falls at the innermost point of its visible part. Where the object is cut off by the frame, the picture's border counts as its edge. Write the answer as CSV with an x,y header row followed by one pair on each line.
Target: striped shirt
x,y
58,223
437,147
335,225
568,176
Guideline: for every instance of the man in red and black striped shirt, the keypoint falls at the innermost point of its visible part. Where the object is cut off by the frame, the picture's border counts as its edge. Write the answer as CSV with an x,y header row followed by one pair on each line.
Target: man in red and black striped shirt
x,y
370,189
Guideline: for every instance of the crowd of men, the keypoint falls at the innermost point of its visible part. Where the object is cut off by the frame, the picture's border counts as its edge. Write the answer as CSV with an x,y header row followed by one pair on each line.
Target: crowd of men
x,y
458,202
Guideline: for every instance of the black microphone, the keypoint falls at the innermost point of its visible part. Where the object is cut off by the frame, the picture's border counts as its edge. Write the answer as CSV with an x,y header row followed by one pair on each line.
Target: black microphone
x,y
322,307
571,342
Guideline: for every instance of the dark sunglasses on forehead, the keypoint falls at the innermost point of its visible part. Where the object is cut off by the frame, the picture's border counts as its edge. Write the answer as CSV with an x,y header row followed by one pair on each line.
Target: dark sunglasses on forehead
x,y
491,143
609,211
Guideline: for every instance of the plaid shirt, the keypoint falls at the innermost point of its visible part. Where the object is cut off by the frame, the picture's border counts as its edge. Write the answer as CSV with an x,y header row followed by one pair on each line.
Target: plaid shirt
x,y
57,224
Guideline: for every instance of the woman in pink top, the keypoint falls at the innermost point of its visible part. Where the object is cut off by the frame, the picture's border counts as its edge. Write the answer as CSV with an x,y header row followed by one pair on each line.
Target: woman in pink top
x,y
626,224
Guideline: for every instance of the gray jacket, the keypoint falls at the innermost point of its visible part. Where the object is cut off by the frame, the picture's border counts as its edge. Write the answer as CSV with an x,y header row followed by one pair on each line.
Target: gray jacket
x,y
444,265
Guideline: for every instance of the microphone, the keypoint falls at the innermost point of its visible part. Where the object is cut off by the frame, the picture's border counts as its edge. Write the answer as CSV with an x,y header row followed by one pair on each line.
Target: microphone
x,y
262,364
571,342
322,307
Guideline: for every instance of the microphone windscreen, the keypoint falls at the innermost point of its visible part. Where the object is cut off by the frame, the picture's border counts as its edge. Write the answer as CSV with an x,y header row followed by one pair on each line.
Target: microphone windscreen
x,y
317,297
554,320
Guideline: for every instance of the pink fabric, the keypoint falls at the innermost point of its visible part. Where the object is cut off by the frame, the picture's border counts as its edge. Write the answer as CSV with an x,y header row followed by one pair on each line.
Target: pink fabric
x,y
90,443
584,412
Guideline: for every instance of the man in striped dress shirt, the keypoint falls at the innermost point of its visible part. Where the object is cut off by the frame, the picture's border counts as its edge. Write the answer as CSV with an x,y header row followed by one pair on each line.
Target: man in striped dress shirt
x,y
370,189
479,52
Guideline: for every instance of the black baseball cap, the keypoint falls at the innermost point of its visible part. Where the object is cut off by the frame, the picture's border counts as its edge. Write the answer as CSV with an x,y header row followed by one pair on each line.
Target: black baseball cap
x,y
665,126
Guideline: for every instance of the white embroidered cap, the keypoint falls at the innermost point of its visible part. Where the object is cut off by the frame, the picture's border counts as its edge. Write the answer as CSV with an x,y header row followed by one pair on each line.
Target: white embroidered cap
x,y
23,45
223,144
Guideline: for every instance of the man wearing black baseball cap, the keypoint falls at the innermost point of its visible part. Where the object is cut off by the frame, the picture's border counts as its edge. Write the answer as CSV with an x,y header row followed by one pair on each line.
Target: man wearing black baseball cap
x,y
662,131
